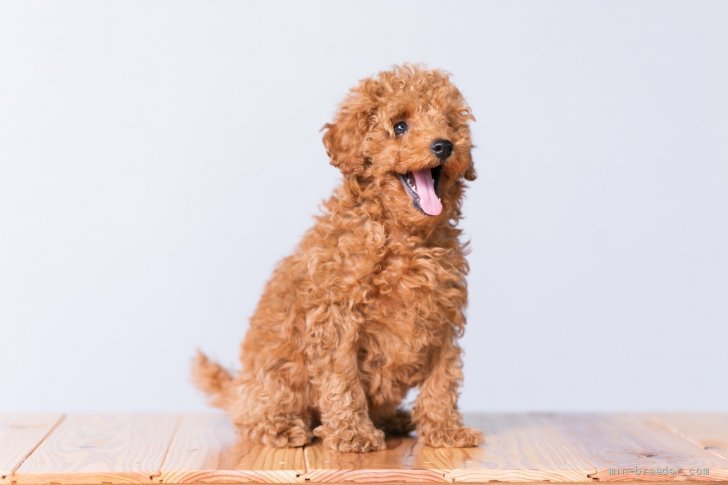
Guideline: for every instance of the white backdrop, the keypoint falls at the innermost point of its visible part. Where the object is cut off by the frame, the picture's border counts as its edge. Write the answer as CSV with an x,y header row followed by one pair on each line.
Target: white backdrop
x,y
157,159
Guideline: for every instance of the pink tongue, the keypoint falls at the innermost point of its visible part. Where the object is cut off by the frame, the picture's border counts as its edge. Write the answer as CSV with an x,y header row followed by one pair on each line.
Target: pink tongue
x,y
426,190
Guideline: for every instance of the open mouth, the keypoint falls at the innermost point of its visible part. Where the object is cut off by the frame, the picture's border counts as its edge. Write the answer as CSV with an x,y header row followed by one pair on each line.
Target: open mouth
x,y
422,185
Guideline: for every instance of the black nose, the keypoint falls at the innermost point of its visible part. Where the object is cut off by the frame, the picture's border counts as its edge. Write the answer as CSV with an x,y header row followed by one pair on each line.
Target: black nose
x,y
441,148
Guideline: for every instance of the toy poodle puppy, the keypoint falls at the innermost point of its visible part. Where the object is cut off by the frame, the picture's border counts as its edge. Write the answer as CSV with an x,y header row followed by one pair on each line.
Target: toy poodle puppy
x,y
371,303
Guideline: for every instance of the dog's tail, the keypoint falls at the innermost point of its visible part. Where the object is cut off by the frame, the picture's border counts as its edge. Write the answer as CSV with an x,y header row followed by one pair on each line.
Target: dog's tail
x,y
212,378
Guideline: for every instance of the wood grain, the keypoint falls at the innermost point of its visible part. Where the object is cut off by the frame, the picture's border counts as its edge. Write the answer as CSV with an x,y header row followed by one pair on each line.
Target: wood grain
x,y
20,434
205,449
634,447
91,449
709,431
517,448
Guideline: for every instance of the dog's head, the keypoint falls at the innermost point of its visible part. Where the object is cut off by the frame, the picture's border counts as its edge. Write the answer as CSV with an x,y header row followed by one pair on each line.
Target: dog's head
x,y
406,131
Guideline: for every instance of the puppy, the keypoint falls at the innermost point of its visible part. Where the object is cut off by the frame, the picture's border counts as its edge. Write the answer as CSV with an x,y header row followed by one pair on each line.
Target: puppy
x,y
371,303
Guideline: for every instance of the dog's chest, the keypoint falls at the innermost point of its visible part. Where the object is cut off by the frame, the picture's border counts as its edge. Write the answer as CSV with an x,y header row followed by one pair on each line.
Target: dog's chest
x,y
417,298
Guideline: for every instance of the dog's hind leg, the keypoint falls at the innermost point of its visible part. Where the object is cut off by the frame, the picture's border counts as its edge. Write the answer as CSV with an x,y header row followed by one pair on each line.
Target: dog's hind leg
x,y
272,412
392,420
281,430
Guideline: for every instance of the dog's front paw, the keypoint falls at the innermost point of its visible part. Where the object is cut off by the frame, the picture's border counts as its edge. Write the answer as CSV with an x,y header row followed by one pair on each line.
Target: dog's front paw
x,y
356,440
457,437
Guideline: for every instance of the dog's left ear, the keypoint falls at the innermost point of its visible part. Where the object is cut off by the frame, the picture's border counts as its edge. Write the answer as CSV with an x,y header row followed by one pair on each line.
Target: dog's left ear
x,y
345,137
470,173
467,116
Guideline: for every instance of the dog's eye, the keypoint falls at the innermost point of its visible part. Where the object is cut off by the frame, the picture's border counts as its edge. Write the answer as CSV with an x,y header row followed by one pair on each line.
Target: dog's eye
x,y
400,128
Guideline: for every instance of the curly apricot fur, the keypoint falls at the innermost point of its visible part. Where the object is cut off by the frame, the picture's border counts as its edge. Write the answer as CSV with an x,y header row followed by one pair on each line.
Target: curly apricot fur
x,y
372,301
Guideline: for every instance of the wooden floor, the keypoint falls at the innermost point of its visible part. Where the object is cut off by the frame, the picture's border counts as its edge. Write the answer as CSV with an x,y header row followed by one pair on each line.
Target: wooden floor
x,y
100,449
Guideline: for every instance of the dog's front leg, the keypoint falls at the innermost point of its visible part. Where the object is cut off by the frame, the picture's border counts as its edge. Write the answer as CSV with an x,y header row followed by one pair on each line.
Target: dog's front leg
x,y
345,423
439,423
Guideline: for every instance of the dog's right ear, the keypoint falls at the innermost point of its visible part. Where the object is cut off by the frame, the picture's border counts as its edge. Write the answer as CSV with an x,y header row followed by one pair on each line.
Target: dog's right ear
x,y
345,137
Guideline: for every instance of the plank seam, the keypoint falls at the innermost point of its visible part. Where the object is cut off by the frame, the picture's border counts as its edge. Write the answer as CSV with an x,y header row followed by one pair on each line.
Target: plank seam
x,y
163,461
589,475
302,476
11,475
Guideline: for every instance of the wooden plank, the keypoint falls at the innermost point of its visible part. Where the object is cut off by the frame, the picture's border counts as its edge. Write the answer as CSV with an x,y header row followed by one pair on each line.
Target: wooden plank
x,y
709,431
205,449
402,461
517,448
197,449
634,447
91,449
20,434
